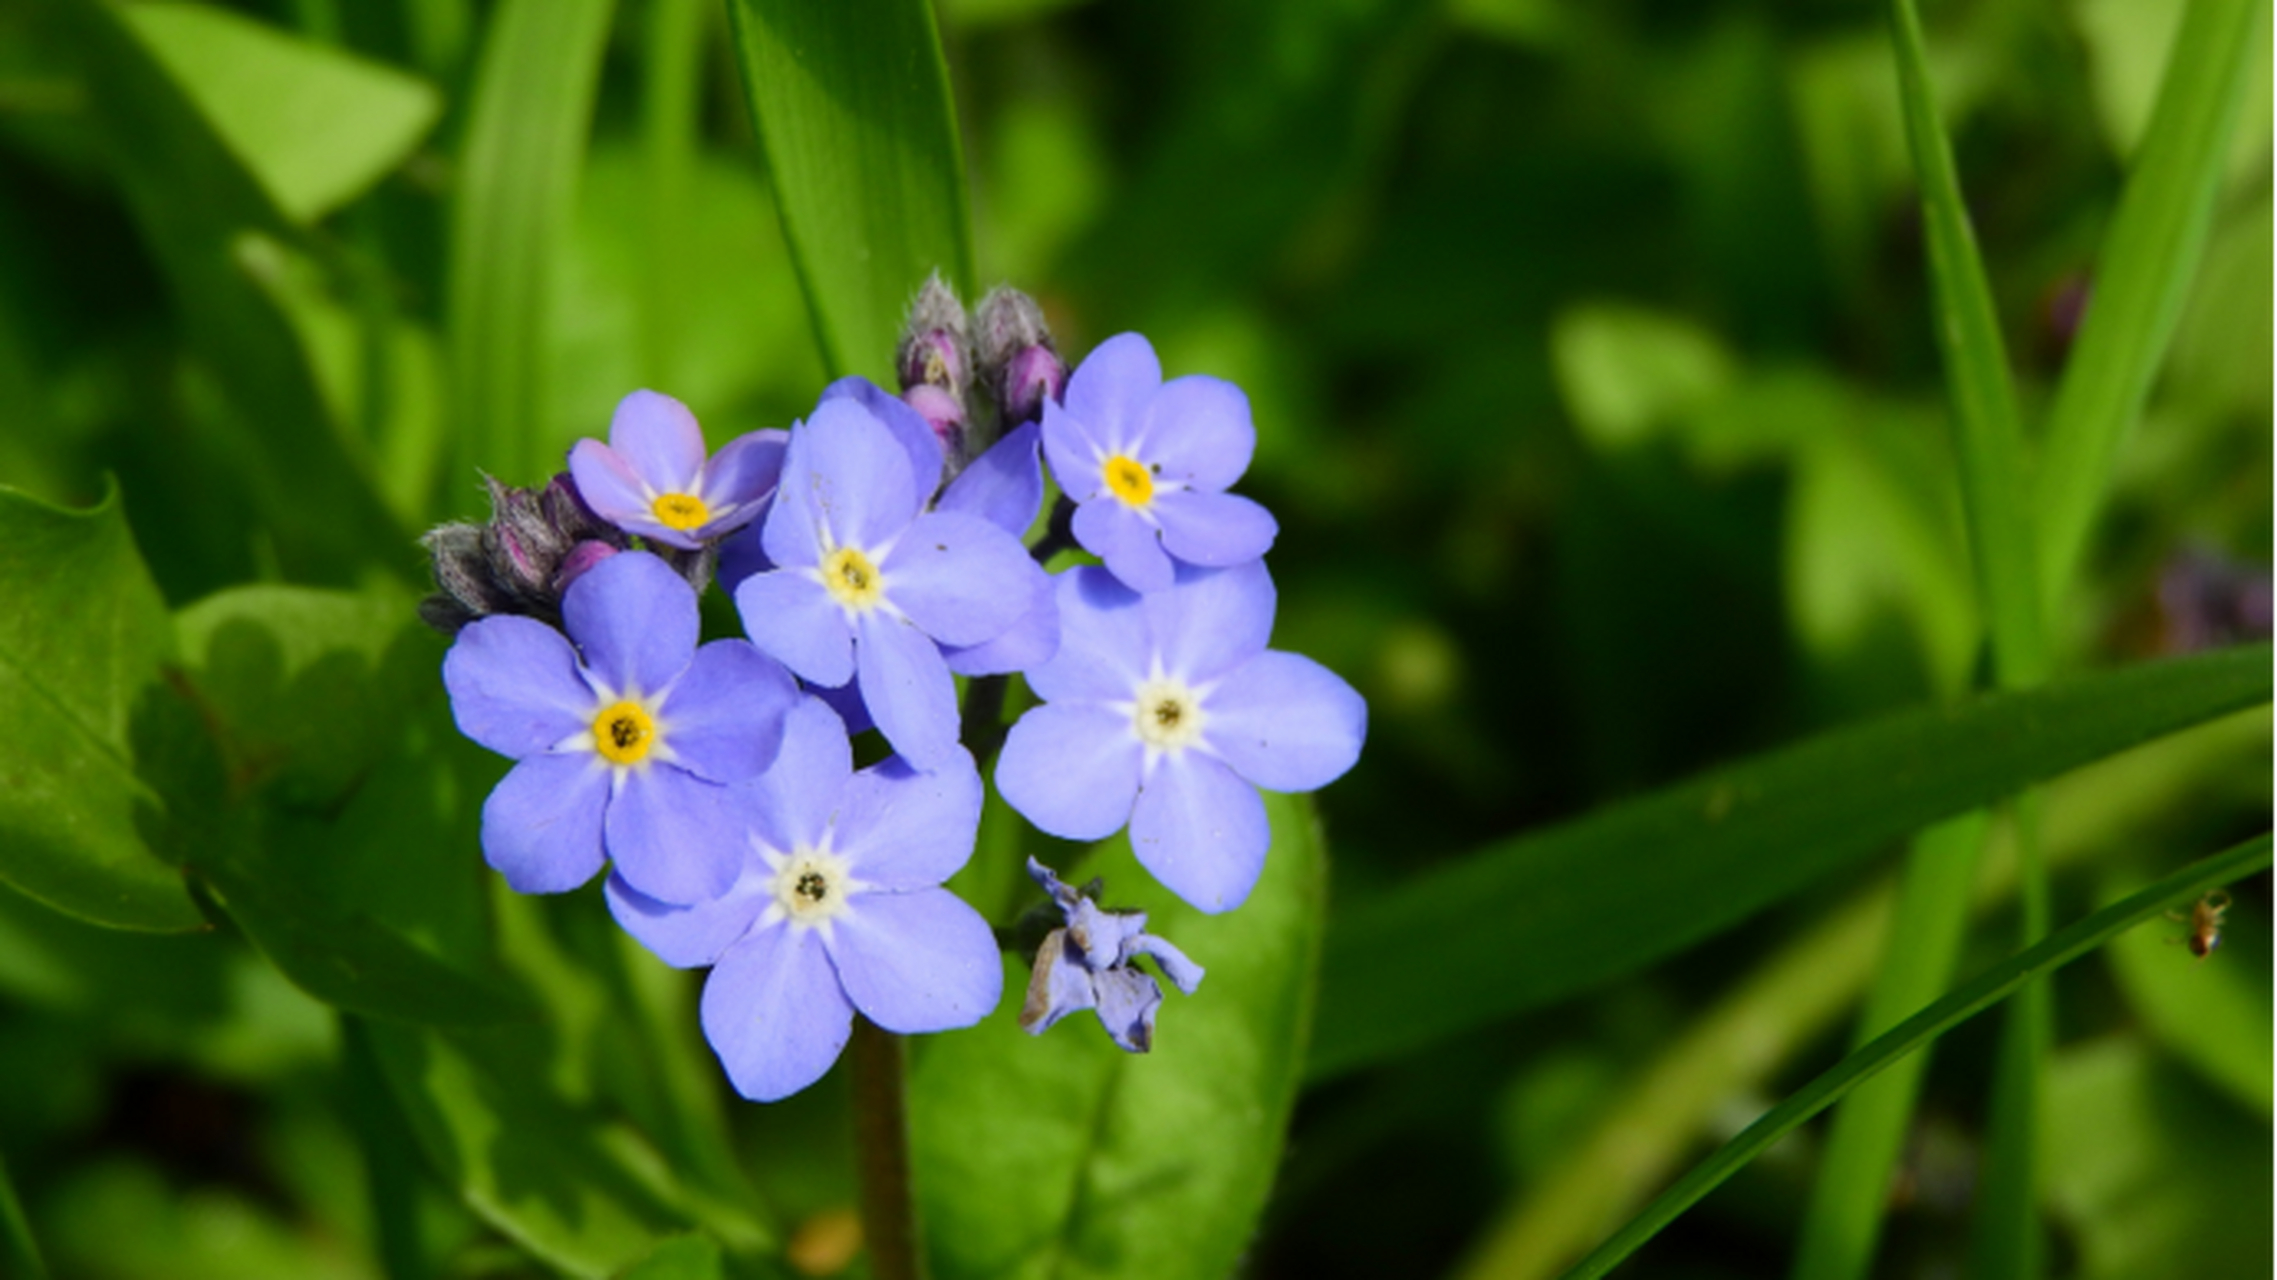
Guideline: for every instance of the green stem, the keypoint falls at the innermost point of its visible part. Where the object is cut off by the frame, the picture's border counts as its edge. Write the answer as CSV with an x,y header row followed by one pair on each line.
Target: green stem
x,y
1968,999
881,1151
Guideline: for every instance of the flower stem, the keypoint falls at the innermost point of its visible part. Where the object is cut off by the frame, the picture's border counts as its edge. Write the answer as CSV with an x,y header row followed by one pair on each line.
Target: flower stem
x,y
881,1150
983,729
1059,534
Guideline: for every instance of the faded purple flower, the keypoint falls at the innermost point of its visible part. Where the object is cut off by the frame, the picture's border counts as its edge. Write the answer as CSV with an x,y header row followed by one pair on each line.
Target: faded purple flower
x,y
624,734
1088,964
866,583
838,908
1147,463
652,477
1167,712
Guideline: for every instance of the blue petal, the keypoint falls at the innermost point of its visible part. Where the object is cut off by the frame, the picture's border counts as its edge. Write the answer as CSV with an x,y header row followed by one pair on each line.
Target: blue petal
x,y
688,937
1073,455
908,689
743,554
1109,392
1198,432
855,482
908,426
1175,966
741,477
1127,1001
541,826
918,961
792,618
514,685
1201,830
1072,769
659,440
775,1013
1027,644
1130,545
792,535
673,836
961,579
635,621
846,700
793,803
606,483
1104,649
1059,985
1213,528
1285,722
1212,621
903,829
723,720
1004,486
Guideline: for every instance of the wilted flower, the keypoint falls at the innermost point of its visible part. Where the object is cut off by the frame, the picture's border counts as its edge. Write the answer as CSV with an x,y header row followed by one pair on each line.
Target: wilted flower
x,y
1088,964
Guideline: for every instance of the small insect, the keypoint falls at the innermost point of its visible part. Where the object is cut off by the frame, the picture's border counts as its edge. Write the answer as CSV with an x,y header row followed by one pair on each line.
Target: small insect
x,y
2205,921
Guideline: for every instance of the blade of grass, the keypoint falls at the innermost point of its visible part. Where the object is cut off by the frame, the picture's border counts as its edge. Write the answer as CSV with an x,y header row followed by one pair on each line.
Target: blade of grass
x,y
852,107
1522,922
1845,1216
1964,1001
2005,1241
517,176
671,85
2143,274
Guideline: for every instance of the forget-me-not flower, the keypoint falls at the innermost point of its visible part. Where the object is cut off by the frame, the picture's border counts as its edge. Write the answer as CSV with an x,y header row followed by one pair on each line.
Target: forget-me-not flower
x,y
866,583
838,909
1087,964
625,734
1167,711
653,479
1147,463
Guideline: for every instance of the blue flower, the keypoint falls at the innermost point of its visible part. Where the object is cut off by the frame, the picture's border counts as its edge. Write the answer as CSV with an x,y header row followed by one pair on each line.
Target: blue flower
x,y
1147,463
652,477
864,582
1087,965
1167,711
624,742
837,909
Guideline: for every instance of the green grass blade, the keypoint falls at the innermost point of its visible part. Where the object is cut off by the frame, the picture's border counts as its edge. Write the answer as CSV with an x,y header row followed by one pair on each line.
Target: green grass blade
x,y
1524,921
852,107
1963,1002
2143,274
2005,1239
1988,439
517,186
671,85
1845,1218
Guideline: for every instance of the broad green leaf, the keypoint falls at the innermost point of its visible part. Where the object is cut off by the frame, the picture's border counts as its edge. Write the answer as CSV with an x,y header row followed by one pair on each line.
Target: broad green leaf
x,y
1963,1002
2143,273
853,110
1524,922
1845,1215
2153,1175
1062,1156
2212,1014
81,639
1625,371
329,804
583,1195
518,171
210,226
1988,435
316,126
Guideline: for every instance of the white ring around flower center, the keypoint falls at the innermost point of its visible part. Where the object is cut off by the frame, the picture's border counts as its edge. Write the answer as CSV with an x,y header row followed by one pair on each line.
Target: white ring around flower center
x,y
1167,715
812,886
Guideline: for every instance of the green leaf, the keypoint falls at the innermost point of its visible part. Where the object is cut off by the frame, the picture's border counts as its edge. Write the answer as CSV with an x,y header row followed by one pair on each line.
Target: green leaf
x,y
81,639
1988,436
314,125
680,1258
518,171
1062,1156
329,804
1845,1215
1963,1002
22,1249
582,1195
1524,922
215,231
2143,274
852,107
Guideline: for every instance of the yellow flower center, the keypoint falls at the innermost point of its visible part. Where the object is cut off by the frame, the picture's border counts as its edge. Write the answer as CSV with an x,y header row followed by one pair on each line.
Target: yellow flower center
x,y
1130,480
1167,715
680,510
851,579
624,733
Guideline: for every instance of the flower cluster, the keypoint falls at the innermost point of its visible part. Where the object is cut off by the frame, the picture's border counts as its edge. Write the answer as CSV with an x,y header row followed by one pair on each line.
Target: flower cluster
x,y
874,554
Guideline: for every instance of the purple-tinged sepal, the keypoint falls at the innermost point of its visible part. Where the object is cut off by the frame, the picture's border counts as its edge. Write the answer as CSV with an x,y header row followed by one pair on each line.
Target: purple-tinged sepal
x,y
1020,366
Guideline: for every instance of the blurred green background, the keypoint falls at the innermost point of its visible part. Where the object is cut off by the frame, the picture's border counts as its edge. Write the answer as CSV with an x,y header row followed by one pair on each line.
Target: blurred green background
x,y
1592,366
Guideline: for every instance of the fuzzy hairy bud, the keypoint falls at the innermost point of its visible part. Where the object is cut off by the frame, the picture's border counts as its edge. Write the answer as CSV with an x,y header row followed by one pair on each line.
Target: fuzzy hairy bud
x,y
1020,366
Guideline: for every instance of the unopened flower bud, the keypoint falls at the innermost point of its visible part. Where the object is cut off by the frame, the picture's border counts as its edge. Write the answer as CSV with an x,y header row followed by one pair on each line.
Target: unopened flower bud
x,y
1020,366
934,350
944,413
514,563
